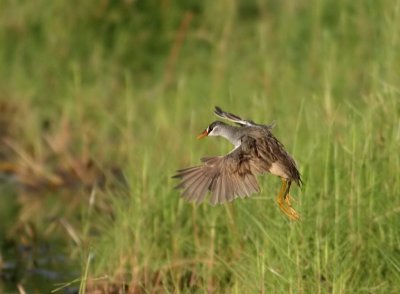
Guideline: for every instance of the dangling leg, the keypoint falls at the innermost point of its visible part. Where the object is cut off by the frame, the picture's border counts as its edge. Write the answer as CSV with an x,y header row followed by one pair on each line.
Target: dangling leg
x,y
283,201
288,197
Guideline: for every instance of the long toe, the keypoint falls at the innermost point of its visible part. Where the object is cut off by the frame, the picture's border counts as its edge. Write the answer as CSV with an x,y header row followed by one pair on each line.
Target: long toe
x,y
289,199
289,211
292,214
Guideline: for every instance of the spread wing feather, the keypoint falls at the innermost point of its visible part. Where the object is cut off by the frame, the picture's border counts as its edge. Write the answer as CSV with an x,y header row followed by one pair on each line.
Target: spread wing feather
x,y
232,117
238,120
226,177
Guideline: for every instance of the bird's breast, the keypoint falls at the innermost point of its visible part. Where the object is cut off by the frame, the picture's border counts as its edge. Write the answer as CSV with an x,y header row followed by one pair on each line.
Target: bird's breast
x,y
278,170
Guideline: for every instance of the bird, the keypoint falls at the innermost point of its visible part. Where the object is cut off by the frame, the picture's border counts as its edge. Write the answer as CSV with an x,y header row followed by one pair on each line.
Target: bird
x,y
256,151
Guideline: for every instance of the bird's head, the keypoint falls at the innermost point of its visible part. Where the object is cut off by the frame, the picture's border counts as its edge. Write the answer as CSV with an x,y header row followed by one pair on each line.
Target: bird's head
x,y
214,129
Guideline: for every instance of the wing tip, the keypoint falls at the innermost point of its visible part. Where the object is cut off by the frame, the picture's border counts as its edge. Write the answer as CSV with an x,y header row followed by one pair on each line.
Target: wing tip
x,y
218,111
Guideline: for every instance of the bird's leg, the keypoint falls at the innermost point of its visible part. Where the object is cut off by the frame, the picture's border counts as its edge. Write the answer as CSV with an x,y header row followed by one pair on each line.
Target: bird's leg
x,y
289,199
287,196
283,201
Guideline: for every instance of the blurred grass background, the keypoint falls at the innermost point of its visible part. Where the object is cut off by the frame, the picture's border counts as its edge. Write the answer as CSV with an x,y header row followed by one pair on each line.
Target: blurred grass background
x,y
137,80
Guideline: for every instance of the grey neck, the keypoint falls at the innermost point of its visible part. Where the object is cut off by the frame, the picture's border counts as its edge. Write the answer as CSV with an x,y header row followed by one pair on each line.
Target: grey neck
x,y
232,134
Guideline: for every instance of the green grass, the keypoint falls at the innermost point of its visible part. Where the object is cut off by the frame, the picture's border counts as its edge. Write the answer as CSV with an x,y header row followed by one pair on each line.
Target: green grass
x,y
137,87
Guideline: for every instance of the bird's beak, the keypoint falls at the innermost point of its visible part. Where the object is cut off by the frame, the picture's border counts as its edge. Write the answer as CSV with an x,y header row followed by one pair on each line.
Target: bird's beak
x,y
203,134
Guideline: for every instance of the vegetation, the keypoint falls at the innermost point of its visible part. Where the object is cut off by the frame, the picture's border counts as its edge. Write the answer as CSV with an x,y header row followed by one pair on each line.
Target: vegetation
x,y
101,103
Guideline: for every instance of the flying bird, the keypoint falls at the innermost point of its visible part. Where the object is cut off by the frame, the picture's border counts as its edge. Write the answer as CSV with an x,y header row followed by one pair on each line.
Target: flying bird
x,y
256,151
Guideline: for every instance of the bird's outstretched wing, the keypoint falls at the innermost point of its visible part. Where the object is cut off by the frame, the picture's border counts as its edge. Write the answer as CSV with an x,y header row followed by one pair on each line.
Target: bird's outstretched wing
x,y
226,177
233,117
